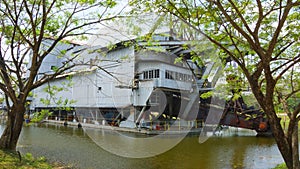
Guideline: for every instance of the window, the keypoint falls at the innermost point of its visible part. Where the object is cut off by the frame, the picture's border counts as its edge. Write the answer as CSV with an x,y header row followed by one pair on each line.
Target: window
x,y
178,76
150,74
146,75
167,75
172,75
185,77
190,78
156,73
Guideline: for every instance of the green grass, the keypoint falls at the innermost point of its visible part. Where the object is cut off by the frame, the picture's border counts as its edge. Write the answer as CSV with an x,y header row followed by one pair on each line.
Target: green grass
x,y
10,160
281,166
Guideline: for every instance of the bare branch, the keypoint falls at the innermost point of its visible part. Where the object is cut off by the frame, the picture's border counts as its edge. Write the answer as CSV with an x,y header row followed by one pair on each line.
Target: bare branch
x,y
177,10
292,93
241,17
283,50
32,22
287,66
255,46
284,103
259,21
279,27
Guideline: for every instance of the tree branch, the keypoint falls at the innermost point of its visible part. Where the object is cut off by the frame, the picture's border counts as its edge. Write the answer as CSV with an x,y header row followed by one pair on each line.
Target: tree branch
x,y
241,17
291,62
279,27
254,46
282,50
296,112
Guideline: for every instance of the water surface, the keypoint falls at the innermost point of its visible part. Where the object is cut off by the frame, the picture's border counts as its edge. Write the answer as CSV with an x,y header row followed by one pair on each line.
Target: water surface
x,y
71,145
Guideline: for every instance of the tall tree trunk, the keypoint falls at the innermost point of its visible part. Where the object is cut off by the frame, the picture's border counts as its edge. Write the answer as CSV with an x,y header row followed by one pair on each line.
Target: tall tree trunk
x,y
283,142
10,136
295,147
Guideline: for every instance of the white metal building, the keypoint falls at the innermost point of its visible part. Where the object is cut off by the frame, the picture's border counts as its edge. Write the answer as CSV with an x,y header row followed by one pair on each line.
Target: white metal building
x,y
127,82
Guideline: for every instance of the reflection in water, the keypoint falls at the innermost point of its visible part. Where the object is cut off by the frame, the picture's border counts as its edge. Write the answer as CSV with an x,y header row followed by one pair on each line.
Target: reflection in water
x,y
72,146
133,145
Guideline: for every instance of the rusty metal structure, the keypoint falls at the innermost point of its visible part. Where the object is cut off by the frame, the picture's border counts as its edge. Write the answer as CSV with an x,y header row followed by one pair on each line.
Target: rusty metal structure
x,y
238,114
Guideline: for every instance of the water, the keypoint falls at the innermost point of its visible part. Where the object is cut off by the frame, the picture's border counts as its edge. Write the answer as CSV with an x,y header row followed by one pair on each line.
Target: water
x,y
71,145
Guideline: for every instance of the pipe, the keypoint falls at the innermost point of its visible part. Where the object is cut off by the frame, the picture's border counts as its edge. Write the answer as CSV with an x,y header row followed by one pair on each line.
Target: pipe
x,y
140,115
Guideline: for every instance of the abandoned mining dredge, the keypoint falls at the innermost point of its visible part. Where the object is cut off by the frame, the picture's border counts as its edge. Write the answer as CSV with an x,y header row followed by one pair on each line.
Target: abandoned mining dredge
x,y
145,89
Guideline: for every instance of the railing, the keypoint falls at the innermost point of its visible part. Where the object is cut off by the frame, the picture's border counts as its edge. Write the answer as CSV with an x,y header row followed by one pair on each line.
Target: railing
x,y
167,125
162,125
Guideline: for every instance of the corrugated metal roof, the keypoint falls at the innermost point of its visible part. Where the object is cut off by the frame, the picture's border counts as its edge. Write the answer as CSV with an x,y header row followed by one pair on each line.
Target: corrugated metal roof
x,y
128,28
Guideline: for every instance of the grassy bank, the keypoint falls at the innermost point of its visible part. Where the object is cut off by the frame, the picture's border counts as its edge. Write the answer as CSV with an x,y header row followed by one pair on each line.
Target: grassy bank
x,y
10,160
281,166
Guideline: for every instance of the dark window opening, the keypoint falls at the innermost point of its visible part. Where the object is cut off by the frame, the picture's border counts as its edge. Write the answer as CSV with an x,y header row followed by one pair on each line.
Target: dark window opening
x,y
156,73
150,74
146,75
178,76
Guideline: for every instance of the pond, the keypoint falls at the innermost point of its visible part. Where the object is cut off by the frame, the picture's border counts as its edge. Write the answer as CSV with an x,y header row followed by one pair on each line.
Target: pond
x,y
72,145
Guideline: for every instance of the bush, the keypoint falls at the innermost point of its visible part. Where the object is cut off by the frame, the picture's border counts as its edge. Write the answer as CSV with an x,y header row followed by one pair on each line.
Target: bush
x,y
11,160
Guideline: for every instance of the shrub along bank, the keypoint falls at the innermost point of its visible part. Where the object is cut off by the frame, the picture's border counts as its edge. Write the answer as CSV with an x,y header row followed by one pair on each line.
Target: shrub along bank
x,y
11,160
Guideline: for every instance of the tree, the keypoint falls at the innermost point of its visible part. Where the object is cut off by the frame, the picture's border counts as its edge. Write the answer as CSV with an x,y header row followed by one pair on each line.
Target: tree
x,y
25,27
262,38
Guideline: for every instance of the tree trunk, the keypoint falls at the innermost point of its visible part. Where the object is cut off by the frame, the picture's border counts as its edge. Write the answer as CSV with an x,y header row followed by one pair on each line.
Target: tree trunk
x,y
282,143
10,136
295,147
